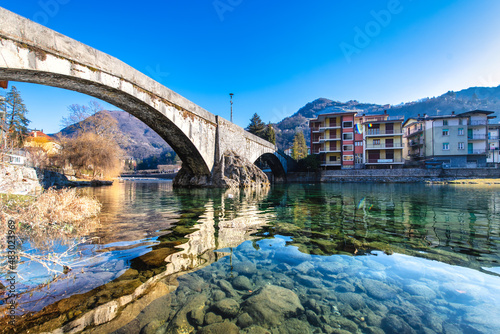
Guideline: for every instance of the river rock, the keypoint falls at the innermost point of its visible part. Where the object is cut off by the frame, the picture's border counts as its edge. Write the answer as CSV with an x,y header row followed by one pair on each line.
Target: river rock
x,y
197,316
420,290
234,171
254,329
220,328
245,268
272,304
378,290
228,308
294,326
242,283
212,318
180,323
227,288
244,320
393,324
352,299
218,295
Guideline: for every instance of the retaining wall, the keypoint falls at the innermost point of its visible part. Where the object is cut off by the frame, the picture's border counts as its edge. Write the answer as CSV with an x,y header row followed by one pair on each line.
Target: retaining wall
x,y
400,175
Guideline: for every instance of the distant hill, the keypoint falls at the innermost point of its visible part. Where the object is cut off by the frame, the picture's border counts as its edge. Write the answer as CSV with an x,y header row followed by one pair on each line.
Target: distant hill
x,y
484,98
141,143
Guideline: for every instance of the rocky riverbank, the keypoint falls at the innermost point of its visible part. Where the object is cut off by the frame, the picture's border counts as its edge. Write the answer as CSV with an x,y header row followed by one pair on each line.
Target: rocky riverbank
x,y
20,180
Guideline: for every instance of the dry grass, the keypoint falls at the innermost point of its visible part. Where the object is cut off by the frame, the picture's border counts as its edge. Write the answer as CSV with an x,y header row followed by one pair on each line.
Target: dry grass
x,y
476,181
54,218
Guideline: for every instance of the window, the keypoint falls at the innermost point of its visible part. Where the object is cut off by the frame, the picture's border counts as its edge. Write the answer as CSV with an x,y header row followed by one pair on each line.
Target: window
x,y
333,158
358,143
460,122
376,141
358,158
348,158
348,148
446,146
445,122
446,132
460,131
348,124
348,136
461,146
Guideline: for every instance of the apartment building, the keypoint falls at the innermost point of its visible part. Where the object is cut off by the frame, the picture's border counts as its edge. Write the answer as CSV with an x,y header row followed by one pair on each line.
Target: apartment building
x,y
456,140
493,158
348,140
332,137
382,141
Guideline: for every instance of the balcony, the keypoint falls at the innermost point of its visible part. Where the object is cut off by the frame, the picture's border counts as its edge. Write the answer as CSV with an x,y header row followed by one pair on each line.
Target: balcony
x,y
477,123
384,145
414,132
384,161
378,132
330,127
493,137
328,139
331,163
331,150
416,142
477,152
476,137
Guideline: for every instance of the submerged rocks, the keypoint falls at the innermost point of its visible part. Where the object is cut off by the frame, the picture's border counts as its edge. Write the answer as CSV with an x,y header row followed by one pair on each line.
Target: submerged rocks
x,y
228,308
271,304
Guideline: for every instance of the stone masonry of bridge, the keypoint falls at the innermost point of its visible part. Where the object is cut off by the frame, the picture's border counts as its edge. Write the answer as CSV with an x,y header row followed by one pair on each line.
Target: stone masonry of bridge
x,y
30,52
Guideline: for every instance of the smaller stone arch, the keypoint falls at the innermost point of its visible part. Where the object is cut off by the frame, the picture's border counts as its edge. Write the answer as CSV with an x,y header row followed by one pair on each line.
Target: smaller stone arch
x,y
276,166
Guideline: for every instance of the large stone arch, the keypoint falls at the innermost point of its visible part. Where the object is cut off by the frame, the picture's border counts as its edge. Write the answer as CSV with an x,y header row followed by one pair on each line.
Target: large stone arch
x,y
32,53
276,166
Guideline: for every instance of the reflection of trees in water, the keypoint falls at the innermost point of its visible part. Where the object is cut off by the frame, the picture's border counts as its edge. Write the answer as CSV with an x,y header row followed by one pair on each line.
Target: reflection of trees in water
x,y
453,225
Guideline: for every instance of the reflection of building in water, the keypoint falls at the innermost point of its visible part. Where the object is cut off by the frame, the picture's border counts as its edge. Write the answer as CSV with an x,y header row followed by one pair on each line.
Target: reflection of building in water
x,y
224,222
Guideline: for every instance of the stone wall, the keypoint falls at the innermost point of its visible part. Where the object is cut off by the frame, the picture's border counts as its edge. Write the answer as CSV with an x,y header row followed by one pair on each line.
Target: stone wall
x,y
394,175
18,180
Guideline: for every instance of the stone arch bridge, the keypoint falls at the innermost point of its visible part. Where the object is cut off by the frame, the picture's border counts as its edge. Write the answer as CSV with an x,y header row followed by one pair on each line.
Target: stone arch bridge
x,y
30,52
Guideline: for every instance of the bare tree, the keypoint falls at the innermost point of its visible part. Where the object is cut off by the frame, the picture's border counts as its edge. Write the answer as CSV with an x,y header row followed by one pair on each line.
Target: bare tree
x,y
95,148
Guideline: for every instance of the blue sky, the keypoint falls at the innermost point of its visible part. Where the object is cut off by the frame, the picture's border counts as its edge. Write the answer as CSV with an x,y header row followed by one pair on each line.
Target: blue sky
x,y
276,56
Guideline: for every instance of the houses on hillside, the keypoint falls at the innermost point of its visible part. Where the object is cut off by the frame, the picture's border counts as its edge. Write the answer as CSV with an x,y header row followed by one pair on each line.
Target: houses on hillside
x,y
345,140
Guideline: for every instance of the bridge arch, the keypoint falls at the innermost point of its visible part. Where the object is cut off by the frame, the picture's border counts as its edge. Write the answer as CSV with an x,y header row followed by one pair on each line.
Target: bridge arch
x,y
276,166
33,53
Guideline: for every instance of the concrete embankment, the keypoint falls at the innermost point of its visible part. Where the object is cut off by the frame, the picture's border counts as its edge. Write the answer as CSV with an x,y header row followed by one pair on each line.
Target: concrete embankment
x,y
401,175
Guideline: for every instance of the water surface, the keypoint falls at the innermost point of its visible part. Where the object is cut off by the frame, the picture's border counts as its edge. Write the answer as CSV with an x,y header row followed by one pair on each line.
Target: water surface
x,y
313,258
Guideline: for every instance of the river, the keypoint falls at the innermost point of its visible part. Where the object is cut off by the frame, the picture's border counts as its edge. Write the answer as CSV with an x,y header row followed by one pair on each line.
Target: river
x,y
301,258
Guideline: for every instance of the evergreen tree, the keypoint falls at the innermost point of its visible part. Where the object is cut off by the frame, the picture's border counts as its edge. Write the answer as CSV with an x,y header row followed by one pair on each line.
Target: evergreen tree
x,y
16,120
256,126
270,134
299,149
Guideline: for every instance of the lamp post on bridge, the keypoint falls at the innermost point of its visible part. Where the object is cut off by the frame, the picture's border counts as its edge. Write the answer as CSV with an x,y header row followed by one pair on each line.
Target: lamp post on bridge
x,y
231,95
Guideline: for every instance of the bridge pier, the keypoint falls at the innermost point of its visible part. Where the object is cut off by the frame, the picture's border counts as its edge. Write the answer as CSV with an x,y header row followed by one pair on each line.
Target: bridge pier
x,y
232,171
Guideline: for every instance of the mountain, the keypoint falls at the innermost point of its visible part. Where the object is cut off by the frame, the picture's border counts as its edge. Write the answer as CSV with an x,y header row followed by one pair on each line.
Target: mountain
x,y
484,98
285,129
141,142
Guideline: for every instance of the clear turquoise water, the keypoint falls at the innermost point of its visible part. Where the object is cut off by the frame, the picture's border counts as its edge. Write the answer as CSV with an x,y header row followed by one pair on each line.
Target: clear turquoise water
x,y
324,258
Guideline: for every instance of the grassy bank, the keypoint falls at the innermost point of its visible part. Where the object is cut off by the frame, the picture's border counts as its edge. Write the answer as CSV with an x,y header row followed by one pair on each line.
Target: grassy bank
x,y
47,221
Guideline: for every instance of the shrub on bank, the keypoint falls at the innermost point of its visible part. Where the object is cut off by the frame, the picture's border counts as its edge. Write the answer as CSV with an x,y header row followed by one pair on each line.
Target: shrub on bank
x,y
46,221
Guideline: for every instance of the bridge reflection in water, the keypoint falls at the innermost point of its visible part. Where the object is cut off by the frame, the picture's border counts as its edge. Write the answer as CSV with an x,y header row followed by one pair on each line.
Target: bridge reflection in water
x,y
219,224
